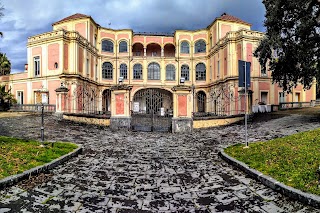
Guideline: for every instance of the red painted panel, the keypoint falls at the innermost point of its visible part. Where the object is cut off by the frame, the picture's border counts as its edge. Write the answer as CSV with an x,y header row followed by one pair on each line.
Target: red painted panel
x,y
66,56
81,28
80,61
214,36
182,105
53,56
119,104
225,29
37,85
107,35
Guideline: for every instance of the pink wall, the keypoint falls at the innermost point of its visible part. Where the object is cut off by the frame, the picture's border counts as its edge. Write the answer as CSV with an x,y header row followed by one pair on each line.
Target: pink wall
x,y
225,61
53,56
36,85
81,28
123,36
80,61
92,67
168,40
239,52
214,36
36,51
185,37
107,35
264,86
153,40
309,95
53,85
66,56
200,36
21,87
249,54
225,29
138,39
91,33
16,76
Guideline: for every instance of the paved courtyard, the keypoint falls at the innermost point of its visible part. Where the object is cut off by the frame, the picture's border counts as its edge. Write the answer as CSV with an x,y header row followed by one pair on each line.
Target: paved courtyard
x,y
147,172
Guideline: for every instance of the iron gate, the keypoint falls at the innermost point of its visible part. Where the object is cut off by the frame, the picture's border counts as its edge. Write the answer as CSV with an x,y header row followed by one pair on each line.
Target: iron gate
x,y
152,110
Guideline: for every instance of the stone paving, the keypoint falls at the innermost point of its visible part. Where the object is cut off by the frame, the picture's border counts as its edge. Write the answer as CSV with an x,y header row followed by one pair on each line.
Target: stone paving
x,y
148,172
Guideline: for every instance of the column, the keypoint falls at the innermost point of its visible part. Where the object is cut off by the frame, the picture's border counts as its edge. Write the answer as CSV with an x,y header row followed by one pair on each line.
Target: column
x,y
182,109
120,107
61,101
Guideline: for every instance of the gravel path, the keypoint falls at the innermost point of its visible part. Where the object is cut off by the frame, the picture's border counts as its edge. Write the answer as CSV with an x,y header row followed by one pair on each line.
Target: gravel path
x,y
148,172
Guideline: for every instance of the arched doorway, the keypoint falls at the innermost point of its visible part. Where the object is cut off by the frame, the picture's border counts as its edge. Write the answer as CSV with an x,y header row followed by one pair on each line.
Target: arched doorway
x,y
106,101
201,101
152,110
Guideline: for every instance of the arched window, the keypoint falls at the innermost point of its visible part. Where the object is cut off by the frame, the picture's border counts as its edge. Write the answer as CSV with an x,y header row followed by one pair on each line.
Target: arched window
x,y
184,48
201,72
170,72
154,71
123,47
123,71
107,70
201,101
107,46
200,46
185,72
137,71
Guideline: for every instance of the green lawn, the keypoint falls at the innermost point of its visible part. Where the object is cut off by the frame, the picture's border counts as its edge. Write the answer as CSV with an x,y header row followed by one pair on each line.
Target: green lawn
x,y
292,160
17,155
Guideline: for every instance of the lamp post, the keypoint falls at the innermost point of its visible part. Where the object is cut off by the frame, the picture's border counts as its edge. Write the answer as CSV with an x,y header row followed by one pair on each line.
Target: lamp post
x,y
42,123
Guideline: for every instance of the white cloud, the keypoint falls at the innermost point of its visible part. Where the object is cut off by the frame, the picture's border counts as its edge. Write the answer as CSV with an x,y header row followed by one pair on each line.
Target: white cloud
x,y
25,18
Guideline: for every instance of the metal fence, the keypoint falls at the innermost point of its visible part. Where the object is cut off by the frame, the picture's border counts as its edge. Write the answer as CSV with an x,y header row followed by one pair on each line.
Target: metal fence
x,y
33,108
295,105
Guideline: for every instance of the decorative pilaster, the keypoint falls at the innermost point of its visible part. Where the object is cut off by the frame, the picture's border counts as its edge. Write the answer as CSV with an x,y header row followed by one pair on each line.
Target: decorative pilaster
x,y
120,107
61,101
182,113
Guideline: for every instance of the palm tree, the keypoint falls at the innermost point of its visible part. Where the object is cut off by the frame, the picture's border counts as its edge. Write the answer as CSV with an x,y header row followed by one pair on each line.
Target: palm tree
x,y
5,65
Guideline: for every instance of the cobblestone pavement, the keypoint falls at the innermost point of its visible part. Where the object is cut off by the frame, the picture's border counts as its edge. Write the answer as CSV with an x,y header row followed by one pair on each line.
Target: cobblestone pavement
x,y
148,172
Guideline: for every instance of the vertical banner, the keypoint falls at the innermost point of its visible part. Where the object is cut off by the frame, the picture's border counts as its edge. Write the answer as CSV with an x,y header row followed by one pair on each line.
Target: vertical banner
x,y
244,69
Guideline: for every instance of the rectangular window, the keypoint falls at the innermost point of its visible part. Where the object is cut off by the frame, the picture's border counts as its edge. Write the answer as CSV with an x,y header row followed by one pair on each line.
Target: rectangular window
x,y
281,97
36,64
87,67
20,97
264,97
96,72
218,70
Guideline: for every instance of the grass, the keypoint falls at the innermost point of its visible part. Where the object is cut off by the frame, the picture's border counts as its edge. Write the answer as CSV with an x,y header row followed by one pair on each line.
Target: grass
x,y
17,155
292,160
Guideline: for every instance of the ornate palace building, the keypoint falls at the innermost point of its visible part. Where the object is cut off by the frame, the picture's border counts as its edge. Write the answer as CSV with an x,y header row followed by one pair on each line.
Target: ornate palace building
x,y
146,80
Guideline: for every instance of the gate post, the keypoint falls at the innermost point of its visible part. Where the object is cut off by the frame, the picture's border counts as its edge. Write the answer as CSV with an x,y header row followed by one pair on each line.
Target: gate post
x,y
61,101
120,107
182,109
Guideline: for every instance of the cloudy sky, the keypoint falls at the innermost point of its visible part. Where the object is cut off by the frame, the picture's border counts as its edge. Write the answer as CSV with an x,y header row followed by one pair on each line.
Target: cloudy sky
x,y
24,18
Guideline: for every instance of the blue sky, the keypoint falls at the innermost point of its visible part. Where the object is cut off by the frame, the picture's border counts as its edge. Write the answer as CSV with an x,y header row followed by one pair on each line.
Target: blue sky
x,y
24,18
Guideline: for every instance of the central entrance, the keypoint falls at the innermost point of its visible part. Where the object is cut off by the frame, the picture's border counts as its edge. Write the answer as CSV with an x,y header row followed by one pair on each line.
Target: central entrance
x,y
152,110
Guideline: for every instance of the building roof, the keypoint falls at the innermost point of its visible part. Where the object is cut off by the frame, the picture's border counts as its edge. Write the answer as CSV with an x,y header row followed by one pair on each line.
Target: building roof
x,y
72,17
227,17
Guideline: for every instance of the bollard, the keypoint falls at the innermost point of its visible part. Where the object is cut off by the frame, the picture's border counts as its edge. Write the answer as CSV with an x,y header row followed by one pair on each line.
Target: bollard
x,y
42,124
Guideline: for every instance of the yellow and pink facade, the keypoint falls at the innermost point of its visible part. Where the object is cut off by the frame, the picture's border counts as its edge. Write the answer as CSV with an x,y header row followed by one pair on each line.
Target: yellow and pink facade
x,y
197,69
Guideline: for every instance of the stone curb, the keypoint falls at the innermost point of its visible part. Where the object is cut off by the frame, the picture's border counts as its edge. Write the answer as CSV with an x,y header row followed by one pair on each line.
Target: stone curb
x,y
307,198
13,179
